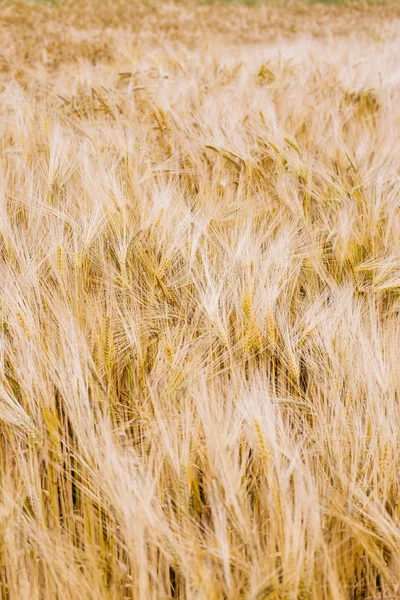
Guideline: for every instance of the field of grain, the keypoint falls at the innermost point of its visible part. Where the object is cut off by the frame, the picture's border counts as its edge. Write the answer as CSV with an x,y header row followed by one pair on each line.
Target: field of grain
x,y
199,301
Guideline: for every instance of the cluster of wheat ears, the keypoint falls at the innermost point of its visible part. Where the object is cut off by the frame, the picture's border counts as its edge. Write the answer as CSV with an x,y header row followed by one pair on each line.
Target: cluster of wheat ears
x,y
199,318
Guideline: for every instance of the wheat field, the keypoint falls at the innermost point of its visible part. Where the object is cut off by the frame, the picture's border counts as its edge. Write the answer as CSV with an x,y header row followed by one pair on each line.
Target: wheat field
x,y
199,301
